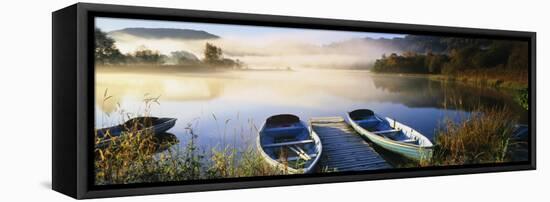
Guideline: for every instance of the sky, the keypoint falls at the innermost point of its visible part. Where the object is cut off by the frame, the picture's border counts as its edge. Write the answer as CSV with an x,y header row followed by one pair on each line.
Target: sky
x,y
319,37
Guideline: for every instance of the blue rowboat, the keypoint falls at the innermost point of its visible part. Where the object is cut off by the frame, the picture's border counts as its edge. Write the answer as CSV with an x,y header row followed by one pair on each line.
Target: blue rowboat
x,y
391,135
286,143
142,125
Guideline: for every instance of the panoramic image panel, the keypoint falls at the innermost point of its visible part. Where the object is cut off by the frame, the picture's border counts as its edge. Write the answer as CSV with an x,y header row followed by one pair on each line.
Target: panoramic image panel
x,y
178,101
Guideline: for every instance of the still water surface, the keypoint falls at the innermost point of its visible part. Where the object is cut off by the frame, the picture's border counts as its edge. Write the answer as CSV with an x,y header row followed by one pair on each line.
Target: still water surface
x,y
226,108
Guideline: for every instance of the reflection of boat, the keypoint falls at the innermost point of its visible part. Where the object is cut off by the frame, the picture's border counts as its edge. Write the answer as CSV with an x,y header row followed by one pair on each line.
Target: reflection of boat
x,y
285,142
164,141
521,132
391,135
138,125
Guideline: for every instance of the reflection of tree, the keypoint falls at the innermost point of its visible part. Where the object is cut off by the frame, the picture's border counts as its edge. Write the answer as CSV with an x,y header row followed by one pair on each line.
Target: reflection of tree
x,y
397,84
164,141
423,92
190,89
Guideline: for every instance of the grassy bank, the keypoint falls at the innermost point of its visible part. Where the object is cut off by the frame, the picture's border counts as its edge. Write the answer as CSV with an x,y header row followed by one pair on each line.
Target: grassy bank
x,y
497,78
484,137
514,81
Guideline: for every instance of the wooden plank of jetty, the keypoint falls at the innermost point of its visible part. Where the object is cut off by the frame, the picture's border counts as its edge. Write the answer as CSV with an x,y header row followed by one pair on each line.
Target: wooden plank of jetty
x,y
343,148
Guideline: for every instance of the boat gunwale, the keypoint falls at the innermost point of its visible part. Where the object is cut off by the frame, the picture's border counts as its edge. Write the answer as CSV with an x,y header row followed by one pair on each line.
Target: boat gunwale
x,y
420,135
124,134
168,120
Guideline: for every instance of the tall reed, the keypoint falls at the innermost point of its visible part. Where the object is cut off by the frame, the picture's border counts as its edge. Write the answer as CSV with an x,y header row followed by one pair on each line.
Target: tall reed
x,y
483,137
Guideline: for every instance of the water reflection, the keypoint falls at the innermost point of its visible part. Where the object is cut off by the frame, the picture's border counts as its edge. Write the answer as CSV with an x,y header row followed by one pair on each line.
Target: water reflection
x,y
422,92
164,141
228,107
135,87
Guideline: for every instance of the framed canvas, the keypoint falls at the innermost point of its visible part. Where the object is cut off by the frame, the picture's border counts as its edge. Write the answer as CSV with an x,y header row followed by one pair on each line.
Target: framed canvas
x,y
155,100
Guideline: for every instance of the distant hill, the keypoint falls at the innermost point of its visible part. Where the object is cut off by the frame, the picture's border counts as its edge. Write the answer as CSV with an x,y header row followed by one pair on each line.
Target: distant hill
x,y
163,33
414,43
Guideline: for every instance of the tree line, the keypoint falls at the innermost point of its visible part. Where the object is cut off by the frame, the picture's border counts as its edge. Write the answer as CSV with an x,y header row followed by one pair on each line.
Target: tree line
x,y
106,53
456,55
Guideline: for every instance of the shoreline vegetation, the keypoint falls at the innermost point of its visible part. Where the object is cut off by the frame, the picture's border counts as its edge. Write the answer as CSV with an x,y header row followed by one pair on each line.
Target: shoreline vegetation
x,y
481,78
461,56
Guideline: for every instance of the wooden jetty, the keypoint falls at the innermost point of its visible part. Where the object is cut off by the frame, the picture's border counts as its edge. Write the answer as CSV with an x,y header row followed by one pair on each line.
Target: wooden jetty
x,y
343,148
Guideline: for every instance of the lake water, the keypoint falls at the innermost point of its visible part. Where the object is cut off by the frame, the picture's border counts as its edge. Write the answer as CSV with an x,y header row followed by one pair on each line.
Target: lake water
x,y
225,108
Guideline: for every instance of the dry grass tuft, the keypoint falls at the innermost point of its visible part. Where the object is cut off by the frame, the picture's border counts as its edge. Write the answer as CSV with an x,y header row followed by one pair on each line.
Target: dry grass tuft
x,y
483,138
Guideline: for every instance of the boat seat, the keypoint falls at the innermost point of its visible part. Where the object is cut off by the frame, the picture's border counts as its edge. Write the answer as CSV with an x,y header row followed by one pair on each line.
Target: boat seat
x,y
410,141
288,143
284,129
386,131
294,158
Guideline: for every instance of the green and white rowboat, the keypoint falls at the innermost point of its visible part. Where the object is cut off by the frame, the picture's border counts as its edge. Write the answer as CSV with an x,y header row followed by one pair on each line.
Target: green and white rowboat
x,y
391,135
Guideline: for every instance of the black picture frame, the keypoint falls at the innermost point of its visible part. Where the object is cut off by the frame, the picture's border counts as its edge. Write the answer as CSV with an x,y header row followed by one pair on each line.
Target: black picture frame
x,y
73,103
